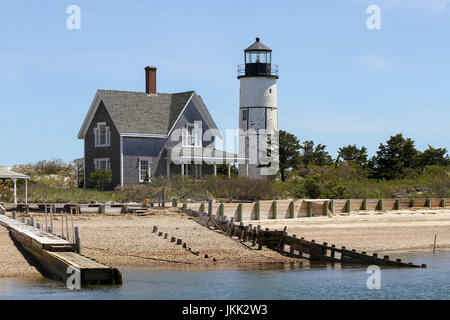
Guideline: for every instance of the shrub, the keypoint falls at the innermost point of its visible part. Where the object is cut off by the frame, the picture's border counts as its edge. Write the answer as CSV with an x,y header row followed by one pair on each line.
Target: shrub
x,y
99,178
47,167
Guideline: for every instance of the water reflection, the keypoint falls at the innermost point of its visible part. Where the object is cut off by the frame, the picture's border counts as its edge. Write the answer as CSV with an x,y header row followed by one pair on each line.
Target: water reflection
x,y
300,280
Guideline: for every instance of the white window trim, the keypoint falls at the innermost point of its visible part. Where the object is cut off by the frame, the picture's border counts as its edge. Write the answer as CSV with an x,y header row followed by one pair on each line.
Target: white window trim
x,y
108,163
97,138
197,135
149,167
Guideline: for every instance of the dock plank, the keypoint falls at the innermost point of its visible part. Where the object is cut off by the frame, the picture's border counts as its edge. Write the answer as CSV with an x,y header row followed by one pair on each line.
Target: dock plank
x,y
78,261
44,238
56,255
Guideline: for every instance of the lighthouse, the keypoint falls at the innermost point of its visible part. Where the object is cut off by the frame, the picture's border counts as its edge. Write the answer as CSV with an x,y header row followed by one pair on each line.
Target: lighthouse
x,y
258,115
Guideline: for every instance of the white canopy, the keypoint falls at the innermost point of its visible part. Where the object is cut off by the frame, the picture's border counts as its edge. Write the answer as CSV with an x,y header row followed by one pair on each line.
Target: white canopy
x,y
8,174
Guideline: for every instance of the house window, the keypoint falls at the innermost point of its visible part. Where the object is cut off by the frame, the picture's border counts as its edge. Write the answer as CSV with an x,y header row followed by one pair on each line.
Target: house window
x,y
102,135
244,115
102,164
191,136
269,145
144,170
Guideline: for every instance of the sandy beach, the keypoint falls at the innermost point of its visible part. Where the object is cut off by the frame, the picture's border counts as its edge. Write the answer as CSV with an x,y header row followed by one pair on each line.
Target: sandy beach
x,y
12,262
119,240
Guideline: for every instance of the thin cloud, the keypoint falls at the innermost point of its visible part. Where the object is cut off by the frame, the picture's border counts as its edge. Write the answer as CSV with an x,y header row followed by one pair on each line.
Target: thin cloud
x,y
374,63
10,81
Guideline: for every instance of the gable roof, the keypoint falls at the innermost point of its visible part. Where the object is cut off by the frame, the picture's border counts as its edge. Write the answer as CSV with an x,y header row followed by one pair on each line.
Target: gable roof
x,y
139,112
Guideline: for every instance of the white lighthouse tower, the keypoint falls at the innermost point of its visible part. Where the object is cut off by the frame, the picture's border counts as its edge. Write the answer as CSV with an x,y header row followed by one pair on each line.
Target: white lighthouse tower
x,y
258,116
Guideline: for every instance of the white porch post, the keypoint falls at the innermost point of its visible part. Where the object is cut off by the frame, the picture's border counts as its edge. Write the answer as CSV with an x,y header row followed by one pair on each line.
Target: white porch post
x,y
182,170
195,171
215,169
168,169
229,171
201,169
26,190
15,191
78,175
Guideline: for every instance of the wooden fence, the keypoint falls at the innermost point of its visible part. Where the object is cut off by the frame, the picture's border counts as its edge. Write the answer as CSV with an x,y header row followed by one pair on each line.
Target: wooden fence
x,y
285,209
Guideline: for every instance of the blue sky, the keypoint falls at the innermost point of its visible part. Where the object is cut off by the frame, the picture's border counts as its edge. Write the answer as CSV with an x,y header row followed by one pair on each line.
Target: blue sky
x,y
340,83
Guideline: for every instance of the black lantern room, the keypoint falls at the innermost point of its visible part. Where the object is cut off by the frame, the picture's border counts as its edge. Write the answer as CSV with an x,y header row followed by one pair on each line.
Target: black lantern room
x,y
258,62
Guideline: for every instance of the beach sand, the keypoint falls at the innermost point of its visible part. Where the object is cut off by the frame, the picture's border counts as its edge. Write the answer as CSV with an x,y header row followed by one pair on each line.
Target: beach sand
x,y
119,240
12,262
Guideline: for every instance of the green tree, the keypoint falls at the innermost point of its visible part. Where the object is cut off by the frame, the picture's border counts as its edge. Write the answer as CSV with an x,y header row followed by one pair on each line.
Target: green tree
x,y
434,157
354,154
222,169
317,155
394,157
289,147
99,178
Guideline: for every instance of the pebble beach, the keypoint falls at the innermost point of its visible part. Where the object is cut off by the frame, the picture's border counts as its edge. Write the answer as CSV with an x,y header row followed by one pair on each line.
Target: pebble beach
x,y
127,240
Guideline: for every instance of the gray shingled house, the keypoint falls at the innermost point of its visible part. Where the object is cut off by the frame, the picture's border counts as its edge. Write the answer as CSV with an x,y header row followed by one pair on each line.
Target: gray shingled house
x,y
140,135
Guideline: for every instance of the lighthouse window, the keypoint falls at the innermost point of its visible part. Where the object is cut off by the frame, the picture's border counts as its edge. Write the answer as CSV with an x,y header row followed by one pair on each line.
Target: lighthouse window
x,y
244,115
269,144
248,58
258,57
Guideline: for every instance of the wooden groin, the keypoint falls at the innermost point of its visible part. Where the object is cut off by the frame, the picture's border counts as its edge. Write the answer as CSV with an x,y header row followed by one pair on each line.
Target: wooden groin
x,y
295,247
56,255
305,208
244,210
183,244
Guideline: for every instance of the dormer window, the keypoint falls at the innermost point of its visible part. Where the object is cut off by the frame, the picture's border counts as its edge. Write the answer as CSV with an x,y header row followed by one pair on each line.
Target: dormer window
x,y
102,135
191,136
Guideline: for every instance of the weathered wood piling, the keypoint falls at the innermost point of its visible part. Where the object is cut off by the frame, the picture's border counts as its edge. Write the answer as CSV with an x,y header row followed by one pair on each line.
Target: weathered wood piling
x,y
299,247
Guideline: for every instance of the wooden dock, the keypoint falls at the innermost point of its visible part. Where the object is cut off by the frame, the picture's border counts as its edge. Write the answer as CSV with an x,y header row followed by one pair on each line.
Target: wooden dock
x,y
299,247
56,255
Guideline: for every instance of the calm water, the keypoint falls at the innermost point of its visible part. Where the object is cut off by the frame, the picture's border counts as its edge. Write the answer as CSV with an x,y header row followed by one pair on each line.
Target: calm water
x,y
307,281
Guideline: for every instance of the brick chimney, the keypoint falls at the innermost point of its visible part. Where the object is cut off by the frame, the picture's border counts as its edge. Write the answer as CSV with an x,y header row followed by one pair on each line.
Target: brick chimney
x,y
150,80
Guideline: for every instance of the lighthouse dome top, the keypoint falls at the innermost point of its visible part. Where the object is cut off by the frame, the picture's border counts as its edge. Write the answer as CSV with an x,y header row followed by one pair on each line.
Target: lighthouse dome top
x,y
258,46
